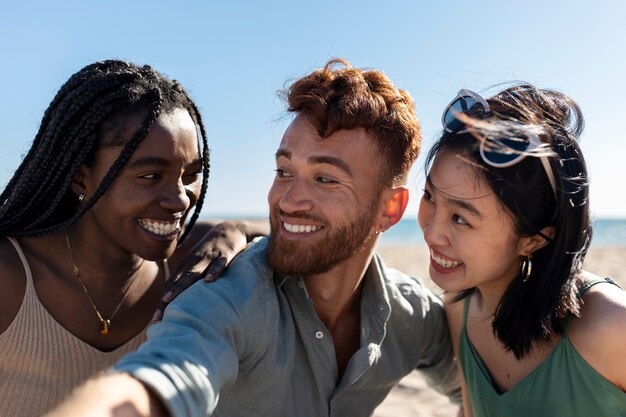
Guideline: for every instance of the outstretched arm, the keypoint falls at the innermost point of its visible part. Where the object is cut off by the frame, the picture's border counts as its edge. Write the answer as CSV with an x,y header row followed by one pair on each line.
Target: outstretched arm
x,y
112,395
194,354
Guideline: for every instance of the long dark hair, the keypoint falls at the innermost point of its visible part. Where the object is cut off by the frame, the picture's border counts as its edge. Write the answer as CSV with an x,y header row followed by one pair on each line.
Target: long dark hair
x,y
38,200
536,310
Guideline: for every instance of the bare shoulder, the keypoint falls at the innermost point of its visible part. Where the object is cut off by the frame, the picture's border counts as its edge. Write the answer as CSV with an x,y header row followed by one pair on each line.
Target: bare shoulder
x,y
604,309
12,284
599,334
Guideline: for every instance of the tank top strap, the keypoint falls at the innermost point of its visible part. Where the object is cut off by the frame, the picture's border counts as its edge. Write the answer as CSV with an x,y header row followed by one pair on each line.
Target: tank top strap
x,y
585,287
466,303
20,252
583,290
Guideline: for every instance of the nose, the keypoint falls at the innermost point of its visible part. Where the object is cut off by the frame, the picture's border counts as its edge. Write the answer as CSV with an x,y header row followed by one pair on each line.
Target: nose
x,y
176,197
293,196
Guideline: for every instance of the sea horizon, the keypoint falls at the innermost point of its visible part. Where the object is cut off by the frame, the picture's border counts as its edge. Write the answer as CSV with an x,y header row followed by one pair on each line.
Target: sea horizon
x,y
607,232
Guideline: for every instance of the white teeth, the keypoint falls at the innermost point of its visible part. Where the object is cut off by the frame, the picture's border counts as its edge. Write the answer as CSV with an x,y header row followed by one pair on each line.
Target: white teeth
x,y
295,228
159,227
443,262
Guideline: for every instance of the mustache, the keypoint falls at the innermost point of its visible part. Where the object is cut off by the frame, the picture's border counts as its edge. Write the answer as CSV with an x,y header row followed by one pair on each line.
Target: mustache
x,y
299,215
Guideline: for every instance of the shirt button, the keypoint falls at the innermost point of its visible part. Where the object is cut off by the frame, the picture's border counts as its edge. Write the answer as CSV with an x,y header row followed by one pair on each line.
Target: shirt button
x,y
319,334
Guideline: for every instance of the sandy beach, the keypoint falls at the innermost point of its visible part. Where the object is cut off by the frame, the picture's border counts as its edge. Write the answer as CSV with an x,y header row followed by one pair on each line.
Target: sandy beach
x,y
412,397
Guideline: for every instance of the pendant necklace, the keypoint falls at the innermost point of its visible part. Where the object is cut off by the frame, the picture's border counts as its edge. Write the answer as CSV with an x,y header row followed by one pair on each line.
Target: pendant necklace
x,y
105,323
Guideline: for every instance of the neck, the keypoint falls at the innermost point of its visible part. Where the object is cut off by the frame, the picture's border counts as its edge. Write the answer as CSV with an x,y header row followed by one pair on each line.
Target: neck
x,y
107,265
336,297
336,293
490,295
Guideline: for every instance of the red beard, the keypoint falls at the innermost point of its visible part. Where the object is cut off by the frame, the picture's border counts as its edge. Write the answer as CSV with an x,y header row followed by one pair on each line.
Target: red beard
x,y
317,255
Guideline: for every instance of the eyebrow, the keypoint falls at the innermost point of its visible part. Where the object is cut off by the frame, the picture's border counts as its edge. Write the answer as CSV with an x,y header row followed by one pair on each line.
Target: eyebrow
x,y
465,206
462,204
156,161
322,159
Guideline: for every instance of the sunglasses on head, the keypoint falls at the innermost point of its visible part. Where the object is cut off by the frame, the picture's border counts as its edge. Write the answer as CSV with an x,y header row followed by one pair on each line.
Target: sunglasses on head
x,y
498,153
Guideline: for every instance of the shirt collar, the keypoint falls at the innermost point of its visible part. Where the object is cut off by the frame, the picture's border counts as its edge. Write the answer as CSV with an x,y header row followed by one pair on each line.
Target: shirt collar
x,y
375,298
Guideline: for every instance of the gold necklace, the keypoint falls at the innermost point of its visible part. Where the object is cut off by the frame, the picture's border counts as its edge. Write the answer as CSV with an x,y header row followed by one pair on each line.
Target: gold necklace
x,y
105,324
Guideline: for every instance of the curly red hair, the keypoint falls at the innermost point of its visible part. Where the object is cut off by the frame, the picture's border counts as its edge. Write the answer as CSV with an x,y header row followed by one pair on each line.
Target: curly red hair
x,y
339,96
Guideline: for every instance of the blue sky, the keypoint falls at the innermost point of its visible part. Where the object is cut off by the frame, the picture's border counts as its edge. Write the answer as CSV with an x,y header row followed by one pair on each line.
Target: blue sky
x,y
232,56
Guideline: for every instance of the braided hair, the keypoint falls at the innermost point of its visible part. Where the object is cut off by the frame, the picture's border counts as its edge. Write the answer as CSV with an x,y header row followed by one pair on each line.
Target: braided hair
x,y
38,200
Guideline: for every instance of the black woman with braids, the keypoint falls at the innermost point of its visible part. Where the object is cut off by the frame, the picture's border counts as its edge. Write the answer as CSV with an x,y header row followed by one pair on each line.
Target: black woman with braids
x,y
103,206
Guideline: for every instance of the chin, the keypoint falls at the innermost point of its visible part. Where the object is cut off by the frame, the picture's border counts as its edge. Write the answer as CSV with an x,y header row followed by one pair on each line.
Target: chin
x,y
157,255
443,282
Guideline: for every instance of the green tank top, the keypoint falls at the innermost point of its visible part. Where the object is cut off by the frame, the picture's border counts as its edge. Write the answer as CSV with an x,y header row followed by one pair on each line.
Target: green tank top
x,y
563,385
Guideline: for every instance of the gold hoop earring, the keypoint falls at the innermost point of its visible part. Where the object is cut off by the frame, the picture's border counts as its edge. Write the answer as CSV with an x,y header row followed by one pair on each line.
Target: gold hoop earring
x,y
527,267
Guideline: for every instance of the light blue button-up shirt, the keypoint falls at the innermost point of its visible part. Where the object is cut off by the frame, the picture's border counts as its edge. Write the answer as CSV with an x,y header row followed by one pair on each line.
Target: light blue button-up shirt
x,y
251,344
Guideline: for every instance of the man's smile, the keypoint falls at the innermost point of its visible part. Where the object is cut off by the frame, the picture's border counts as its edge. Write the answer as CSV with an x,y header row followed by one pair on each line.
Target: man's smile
x,y
301,228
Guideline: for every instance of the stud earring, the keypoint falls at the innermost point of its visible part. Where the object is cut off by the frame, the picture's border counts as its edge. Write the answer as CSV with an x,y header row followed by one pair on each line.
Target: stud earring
x,y
81,197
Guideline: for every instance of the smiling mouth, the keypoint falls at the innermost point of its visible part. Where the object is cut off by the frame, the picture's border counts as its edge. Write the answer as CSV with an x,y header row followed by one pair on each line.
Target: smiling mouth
x,y
444,263
160,227
300,228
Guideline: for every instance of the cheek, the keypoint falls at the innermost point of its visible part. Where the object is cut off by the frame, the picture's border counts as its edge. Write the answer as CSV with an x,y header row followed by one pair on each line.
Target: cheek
x,y
491,256
274,194
120,196
194,193
424,213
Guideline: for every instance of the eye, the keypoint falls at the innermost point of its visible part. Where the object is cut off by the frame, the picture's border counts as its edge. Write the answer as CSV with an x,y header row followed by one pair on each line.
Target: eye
x,y
281,173
459,220
427,196
150,176
325,180
192,176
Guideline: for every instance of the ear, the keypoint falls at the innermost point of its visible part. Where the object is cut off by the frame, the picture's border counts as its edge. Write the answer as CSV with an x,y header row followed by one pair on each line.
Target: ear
x,y
78,184
395,201
532,243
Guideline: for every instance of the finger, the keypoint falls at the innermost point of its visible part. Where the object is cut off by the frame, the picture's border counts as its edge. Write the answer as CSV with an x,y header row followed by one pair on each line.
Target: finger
x,y
182,278
215,269
185,281
169,296
181,275
158,315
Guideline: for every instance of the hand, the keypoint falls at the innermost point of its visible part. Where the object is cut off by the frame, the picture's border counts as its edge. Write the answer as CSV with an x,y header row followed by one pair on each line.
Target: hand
x,y
210,256
111,395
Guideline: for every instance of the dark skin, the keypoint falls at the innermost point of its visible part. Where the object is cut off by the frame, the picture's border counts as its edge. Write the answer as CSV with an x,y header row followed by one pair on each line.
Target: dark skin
x,y
115,251
10,266
63,297
65,300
